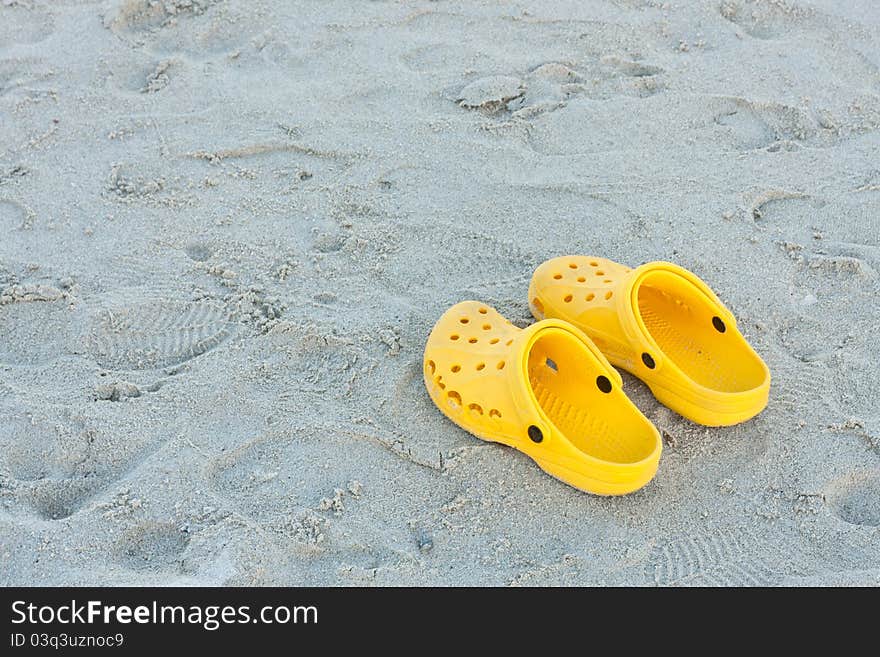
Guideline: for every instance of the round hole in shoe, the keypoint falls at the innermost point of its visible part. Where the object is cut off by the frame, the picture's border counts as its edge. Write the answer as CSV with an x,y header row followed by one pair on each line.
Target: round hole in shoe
x,y
603,383
454,337
557,276
719,324
464,320
473,341
475,408
493,341
535,434
590,296
607,280
594,263
454,399
552,364
481,366
500,365
582,279
440,383
456,369
495,413
572,265
599,272
483,311
509,342
648,361
609,294
567,298
487,327
430,367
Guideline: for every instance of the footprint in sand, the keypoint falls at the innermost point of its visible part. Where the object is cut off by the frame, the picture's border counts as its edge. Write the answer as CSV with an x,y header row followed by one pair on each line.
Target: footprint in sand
x,y
765,19
837,263
465,262
148,77
199,251
855,498
157,333
490,94
13,215
626,77
249,477
752,125
192,28
724,557
152,546
715,123
132,16
549,86
55,465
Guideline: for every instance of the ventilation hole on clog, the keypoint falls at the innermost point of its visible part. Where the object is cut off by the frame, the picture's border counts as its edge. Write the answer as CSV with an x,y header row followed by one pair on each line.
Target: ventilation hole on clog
x,y
593,263
572,265
536,302
476,408
430,366
480,366
582,279
609,294
494,413
454,337
493,341
557,276
483,311
509,342
718,324
590,296
552,365
454,399
500,365
440,383
473,341
567,298
648,361
603,383
464,320
607,280
487,327
456,369
535,434
599,272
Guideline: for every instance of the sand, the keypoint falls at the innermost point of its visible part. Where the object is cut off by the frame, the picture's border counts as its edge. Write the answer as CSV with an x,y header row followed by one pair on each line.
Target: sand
x,y
227,227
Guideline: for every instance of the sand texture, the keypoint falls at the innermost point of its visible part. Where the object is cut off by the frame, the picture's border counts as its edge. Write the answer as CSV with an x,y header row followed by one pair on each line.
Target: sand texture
x,y
227,228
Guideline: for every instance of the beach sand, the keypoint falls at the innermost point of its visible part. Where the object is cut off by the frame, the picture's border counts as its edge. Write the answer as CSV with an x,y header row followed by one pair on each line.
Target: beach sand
x,y
227,228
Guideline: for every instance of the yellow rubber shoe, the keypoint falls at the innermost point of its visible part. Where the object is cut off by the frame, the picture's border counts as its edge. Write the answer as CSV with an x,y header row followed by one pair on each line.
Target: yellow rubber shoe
x,y
664,325
545,390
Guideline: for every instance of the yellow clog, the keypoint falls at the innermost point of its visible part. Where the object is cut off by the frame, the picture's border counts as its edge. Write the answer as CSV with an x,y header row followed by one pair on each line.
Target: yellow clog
x,y
545,390
664,325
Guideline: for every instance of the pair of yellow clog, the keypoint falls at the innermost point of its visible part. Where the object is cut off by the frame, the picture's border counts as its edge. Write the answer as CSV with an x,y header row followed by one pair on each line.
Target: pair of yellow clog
x,y
550,391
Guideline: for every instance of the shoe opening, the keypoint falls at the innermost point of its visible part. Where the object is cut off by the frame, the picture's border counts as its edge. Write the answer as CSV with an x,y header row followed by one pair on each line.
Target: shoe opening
x,y
583,404
685,325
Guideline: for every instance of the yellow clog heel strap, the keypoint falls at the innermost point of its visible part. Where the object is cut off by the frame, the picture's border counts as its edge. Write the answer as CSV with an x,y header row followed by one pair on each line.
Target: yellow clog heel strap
x,y
665,325
545,390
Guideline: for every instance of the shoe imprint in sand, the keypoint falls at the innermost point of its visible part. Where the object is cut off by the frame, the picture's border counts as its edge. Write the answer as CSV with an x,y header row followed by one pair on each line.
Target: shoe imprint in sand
x,y
545,390
664,325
